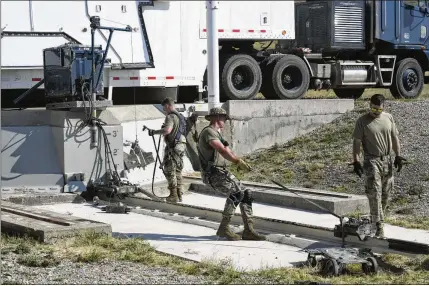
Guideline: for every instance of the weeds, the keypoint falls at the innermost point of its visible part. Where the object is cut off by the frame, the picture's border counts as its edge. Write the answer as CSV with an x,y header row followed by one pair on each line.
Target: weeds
x,y
92,247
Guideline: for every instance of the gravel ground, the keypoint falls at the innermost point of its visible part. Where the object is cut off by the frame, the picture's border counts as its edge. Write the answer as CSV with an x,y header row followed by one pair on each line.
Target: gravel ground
x,y
410,195
105,272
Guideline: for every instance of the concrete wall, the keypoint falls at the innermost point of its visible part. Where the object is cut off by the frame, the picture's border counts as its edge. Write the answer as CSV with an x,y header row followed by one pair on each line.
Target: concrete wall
x,y
261,124
41,148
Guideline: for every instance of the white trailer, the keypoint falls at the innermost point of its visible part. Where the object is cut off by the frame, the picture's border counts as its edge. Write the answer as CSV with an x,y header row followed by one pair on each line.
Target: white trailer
x,y
165,53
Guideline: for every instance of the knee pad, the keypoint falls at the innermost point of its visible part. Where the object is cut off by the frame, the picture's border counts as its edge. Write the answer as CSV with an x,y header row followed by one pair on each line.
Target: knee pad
x,y
247,197
236,197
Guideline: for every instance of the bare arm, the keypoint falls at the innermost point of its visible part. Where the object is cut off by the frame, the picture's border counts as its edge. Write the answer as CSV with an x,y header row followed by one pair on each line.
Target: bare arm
x,y
224,151
356,149
396,146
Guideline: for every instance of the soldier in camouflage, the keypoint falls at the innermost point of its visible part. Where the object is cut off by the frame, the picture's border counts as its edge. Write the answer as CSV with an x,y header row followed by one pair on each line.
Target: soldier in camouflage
x,y
174,131
377,133
210,146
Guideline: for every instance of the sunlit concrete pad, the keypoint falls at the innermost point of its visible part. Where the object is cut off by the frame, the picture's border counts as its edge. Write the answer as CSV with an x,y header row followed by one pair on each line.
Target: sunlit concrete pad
x,y
301,216
189,241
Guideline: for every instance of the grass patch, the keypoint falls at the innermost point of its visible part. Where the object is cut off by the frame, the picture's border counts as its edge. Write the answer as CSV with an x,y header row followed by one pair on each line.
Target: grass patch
x,y
91,248
409,221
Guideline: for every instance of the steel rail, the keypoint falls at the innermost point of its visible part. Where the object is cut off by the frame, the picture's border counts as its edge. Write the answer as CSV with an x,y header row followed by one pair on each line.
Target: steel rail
x,y
283,227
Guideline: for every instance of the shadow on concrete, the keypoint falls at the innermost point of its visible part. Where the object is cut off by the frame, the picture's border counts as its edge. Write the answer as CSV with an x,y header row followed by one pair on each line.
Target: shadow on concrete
x,y
165,237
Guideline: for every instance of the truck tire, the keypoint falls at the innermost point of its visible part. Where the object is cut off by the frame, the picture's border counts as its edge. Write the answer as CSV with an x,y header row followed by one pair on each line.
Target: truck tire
x,y
408,80
352,93
267,67
241,77
291,77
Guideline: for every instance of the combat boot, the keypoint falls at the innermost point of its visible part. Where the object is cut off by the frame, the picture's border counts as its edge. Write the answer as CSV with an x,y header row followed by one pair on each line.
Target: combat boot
x,y
225,231
380,229
249,232
179,193
172,198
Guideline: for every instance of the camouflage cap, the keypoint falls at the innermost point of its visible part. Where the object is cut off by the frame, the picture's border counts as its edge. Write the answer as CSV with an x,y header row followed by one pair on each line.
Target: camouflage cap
x,y
217,111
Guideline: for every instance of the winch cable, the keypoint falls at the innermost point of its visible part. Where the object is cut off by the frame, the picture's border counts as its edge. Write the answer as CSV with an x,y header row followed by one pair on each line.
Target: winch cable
x,y
341,218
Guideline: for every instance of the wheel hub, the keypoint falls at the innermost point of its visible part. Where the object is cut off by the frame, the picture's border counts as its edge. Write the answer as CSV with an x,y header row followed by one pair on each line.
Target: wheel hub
x,y
410,79
237,78
287,79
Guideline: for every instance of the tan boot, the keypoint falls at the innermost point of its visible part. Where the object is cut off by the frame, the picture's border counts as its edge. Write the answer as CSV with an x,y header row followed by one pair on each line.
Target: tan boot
x,y
380,229
172,198
224,230
179,193
249,232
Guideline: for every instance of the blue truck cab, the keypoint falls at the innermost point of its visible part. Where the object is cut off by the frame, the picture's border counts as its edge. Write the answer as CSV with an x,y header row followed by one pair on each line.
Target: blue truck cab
x,y
349,46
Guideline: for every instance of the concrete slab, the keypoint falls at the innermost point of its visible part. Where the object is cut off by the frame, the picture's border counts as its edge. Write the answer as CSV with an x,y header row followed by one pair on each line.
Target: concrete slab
x,y
335,202
44,225
31,198
190,241
301,216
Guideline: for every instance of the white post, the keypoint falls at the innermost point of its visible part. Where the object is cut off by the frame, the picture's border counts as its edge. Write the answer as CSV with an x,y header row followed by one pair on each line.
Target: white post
x,y
212,54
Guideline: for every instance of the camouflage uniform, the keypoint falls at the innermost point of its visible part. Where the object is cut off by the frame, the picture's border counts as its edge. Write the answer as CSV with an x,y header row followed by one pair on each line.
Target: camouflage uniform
x,y
214,174
173,157
376,135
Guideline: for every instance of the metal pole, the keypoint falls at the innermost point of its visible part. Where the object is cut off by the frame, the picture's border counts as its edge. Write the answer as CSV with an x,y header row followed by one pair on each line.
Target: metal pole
x,y
212,54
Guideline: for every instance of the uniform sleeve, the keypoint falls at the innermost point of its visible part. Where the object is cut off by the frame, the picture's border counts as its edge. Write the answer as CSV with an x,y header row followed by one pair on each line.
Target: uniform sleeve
x,y
169,121
358,132
395,131
212,135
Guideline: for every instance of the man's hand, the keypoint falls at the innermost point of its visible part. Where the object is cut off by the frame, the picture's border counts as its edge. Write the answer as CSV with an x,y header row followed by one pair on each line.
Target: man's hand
x,y
243,165
151,132
358,169
398,162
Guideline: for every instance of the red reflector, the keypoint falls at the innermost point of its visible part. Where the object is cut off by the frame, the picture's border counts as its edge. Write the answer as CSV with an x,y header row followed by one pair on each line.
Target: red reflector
x,y
263,31
36,79
251,31
204,30
220,30
134,78
115,78
151,77
169,77
236,31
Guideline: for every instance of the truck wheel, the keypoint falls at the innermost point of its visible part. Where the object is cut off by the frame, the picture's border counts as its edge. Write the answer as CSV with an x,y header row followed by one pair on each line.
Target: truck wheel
x,y
353,93
241,77
408,79
267,67
291,77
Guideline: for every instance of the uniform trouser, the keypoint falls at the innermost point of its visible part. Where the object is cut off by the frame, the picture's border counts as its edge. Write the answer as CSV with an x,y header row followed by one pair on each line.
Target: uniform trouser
x,y
226,183
379,184
173,165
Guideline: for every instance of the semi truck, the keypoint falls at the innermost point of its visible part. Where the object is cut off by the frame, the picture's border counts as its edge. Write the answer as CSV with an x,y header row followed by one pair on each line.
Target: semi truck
x,y
346,46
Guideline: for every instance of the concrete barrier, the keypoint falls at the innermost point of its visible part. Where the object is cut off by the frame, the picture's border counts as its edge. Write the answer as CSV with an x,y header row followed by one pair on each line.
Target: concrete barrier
x,y
66,161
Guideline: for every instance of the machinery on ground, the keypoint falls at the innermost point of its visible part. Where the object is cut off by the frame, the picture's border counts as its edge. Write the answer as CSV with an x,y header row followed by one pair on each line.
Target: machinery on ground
x,y
333,260
343,45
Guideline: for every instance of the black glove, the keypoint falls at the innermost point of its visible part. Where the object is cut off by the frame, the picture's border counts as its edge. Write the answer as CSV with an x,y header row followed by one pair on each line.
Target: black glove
x,y
150,131
398,162
357,168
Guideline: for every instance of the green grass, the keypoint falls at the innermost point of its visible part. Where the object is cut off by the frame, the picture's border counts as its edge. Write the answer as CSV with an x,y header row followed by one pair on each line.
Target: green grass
x,y
92,248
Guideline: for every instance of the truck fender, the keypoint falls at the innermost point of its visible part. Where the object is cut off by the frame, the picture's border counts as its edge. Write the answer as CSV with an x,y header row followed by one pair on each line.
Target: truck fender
x,y
308,66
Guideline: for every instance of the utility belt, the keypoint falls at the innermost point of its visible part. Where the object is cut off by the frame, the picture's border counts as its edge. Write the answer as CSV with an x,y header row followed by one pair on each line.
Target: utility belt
x,y
381,157
209,170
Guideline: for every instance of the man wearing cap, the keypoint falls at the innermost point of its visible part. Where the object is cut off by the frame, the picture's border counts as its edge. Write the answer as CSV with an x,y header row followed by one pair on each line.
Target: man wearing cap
x,y
174,131
377,133
210,146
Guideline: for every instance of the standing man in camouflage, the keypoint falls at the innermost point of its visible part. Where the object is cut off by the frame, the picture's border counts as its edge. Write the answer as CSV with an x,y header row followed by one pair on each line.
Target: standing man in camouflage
x,y
377,133
210,146
174,131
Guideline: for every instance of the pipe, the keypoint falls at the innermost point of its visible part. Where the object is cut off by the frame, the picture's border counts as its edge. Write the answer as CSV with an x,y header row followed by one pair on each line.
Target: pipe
x,y
212,54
